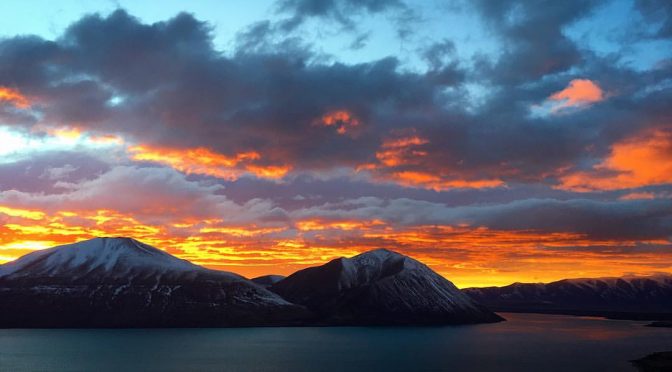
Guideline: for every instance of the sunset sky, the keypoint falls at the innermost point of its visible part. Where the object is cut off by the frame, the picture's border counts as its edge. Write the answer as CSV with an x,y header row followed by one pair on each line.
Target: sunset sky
x,y
496,141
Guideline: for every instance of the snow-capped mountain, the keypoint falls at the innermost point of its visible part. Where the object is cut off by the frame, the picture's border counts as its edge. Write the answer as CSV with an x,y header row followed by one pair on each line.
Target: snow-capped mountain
x,y
112,282
626,297
268,280
380,287
100,260
121,282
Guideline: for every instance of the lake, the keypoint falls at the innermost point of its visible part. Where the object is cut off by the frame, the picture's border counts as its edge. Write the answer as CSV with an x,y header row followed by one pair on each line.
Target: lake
x,y
526,342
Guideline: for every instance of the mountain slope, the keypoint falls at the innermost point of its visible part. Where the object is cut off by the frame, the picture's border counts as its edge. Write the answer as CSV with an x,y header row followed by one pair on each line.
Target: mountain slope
x,y
627,297
267,280
100,259
380,287
120,282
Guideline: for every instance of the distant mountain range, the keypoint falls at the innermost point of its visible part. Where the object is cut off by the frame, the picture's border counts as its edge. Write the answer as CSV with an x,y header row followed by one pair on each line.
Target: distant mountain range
x,y
625,298
120,282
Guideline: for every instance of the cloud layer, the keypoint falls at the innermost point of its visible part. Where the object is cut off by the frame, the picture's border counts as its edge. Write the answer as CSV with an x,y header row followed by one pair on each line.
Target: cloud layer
x,y
271,153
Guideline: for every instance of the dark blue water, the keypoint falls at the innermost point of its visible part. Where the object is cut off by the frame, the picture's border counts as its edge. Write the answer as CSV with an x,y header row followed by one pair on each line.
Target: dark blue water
x,y
527,342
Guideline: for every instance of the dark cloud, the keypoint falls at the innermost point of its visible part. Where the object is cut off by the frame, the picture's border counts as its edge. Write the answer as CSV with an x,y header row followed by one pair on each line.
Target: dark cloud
x,y
164,84
45,172
532,36
597,220
148,194
360,41
177,91
632,220
341,11
658,12
437,53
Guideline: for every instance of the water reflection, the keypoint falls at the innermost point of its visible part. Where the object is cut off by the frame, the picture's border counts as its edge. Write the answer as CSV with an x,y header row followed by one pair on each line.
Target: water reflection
x,y
526,342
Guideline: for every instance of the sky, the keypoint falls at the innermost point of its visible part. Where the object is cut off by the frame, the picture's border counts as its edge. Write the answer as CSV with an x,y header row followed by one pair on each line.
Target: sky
x,y
495,141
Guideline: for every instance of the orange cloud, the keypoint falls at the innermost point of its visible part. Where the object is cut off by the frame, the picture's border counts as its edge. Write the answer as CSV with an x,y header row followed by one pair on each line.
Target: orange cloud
x,y
207,162
401,151
319,225
405,161
268,171
341,119
638,196
436,183
107,139
14,97
25,213
579,92
66,133
644,160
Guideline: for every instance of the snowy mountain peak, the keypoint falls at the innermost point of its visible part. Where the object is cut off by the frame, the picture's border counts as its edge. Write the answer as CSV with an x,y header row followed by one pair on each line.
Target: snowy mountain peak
x,y
385,257
109,256
380,286
380,252
121,282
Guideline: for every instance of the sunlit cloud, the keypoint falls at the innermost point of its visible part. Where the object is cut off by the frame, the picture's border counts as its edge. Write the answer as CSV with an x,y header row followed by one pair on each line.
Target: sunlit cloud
x,y
437,183
14,97
66,133
638,196
19,144
107,139
207,162
24,213
189,219
403,160
401,151
580,93
644,160
342,120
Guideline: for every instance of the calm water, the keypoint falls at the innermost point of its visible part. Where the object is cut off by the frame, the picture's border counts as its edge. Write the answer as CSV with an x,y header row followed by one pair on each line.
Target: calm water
x,y
527,342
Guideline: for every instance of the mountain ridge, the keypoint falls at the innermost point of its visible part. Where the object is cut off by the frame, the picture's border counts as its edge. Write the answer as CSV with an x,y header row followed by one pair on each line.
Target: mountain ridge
x,y
629,297
380,286
121,282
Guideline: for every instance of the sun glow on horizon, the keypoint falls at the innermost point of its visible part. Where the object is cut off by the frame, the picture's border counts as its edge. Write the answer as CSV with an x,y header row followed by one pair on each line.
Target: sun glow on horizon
x,y
468,256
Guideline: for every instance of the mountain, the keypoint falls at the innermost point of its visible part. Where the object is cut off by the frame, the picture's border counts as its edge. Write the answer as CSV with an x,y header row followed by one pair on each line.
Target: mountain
x,y
120,282
380,287
267,280
627,297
